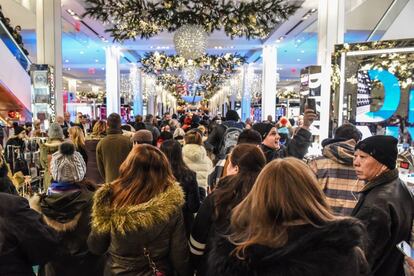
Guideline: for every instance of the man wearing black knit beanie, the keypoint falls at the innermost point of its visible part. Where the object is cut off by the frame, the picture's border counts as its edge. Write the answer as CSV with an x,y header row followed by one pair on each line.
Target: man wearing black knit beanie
x,y
385,205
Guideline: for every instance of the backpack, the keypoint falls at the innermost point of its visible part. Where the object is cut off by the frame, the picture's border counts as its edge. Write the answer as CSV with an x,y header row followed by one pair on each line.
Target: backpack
x,y
229,140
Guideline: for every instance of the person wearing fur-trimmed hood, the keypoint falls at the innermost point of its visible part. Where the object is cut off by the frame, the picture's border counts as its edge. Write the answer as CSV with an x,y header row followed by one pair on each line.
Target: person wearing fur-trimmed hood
x,y
137,219
66,207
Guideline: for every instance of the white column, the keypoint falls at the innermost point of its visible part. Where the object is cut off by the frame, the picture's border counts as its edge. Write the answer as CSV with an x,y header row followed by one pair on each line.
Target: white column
x,y
248,72
136,80
151,105
331,16
72,85
269,81
49,43
113,99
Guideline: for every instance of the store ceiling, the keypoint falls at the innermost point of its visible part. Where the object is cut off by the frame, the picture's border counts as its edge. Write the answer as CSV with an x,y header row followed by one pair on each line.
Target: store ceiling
x,y
84,55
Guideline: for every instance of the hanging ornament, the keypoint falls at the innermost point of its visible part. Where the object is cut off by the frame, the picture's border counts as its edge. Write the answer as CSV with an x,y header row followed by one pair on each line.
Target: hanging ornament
x,y
190,41
191,74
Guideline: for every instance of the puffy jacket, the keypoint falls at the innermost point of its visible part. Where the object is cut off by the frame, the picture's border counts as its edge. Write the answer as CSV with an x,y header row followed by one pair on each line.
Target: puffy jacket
x,y
68,213
386,208
25,241
195,157
124,233
336,176
332,249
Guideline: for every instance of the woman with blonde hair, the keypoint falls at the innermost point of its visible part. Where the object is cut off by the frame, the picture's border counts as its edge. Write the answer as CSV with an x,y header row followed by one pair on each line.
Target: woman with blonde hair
x,y
285,227
77,137
137,219
98,132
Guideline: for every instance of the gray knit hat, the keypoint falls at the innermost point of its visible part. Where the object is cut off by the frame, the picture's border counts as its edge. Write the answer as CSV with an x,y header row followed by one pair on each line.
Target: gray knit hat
x,y
142,136
55,131
67,165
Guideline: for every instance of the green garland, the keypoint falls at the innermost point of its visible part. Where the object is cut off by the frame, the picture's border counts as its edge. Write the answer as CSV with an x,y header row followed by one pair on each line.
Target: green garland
x,y
164,66
156,63
133,18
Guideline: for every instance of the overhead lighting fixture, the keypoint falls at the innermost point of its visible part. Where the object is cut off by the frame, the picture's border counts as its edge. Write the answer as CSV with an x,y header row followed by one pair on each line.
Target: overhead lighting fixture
x,y
81,52
282,37
103,68
303,51
66,60
313,10
277,40
298,60
96,60
76,17
68,69
70,12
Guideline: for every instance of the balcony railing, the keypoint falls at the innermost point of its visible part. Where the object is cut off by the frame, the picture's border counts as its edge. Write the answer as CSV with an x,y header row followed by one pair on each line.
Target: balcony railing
x,y
14,48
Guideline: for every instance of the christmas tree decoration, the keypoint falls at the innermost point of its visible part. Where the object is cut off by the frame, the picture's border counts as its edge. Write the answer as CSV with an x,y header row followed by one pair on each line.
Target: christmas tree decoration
x,y
142,18
190,41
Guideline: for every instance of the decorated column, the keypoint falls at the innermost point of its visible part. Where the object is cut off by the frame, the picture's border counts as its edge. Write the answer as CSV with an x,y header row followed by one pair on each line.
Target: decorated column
x,y
246,98
330,32
113,99
49,44
269,81
136,84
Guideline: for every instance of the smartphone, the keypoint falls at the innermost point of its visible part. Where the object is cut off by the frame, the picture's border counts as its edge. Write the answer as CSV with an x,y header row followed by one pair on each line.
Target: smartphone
x,y
406,249
311,104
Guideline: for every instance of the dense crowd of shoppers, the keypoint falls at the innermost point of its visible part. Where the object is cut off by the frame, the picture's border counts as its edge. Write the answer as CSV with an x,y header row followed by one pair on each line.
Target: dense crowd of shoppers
x,y
194,195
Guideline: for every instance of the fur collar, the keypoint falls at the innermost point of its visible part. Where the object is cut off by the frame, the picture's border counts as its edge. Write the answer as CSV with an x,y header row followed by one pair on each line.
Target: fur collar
x,y
70,225
130,218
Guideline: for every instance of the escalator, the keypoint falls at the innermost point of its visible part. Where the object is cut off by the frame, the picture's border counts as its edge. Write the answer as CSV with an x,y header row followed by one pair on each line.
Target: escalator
x,y
15,84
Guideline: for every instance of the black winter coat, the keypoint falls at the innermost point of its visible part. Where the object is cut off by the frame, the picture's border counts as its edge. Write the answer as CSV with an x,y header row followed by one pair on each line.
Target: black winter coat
x,y
333,249
69,214
25,241
124,233
295,147
188,181
386,208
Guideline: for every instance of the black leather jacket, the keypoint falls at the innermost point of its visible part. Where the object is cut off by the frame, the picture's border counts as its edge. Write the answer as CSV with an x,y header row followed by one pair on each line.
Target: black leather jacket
x,y
386,208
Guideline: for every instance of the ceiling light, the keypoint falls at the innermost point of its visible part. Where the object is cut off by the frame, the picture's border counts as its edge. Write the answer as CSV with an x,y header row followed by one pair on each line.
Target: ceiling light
x,y
81,52
70,12
303,51
313,10
66,60
277,40
96,60
282,37
298,41
76,17
103,68
298,60
68,69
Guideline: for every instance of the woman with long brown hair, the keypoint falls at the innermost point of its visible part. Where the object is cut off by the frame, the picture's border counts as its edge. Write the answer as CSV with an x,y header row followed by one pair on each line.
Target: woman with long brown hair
x,y
213,218
138,220
285,227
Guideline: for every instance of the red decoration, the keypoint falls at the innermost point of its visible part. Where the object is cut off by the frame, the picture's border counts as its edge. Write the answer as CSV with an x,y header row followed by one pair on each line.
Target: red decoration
x,y
77,26
293,70
91,71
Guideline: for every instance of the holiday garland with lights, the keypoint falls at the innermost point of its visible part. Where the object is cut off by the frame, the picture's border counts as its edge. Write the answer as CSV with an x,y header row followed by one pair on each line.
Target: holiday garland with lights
x,y
156,63
219,68
130,19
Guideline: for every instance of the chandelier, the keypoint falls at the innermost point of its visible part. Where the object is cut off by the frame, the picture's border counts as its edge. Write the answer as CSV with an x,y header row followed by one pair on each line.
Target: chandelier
x,y
190,41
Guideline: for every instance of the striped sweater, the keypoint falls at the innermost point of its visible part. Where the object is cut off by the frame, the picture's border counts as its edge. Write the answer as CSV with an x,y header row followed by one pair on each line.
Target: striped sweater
x,y
337,177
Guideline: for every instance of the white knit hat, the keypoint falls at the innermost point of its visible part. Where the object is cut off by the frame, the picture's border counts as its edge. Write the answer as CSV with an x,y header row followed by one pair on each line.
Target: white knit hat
x,y
67,165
